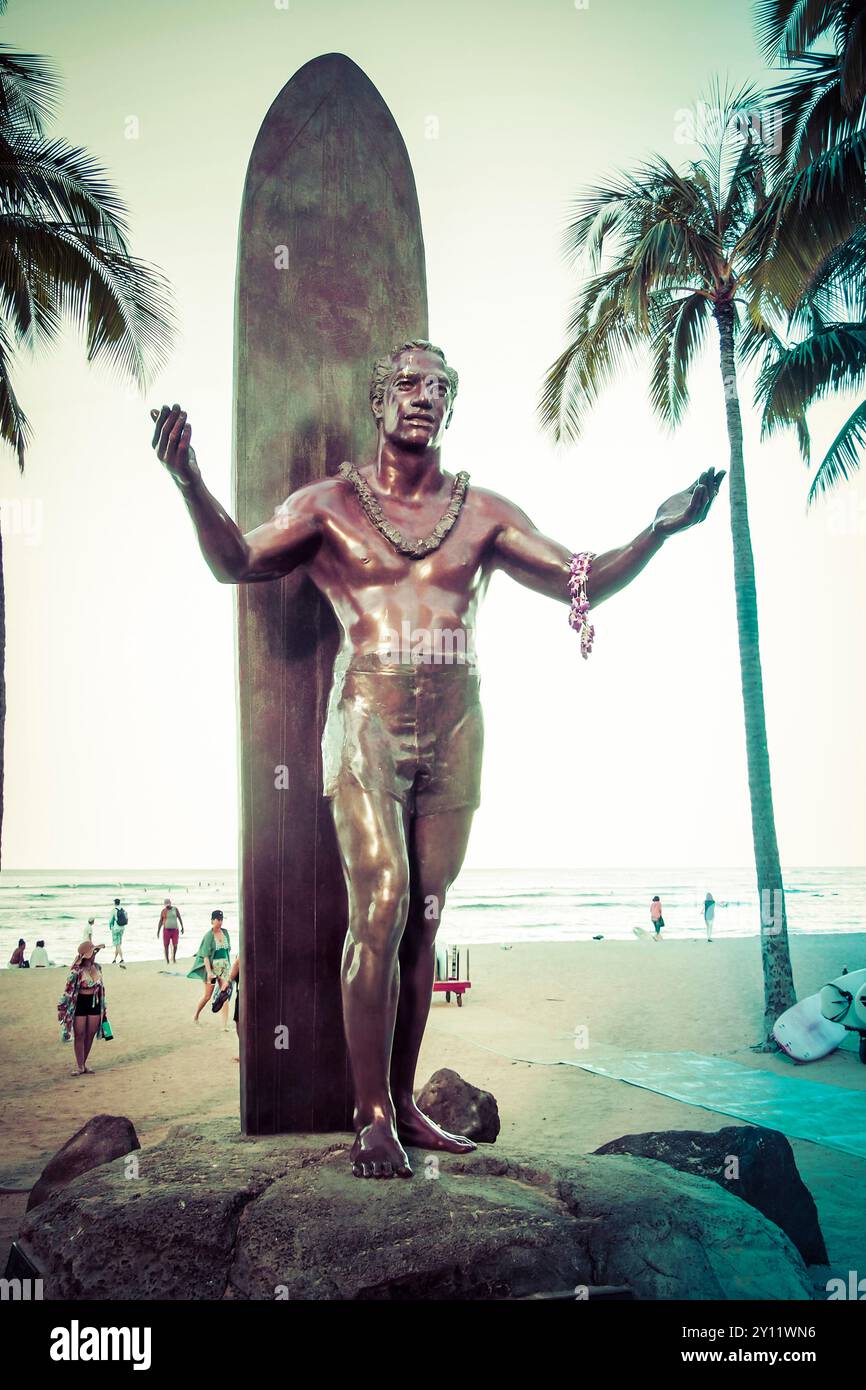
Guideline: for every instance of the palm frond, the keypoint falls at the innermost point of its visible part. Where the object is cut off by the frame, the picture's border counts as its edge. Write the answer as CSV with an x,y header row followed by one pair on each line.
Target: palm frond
x,y
120,304
757,335
746,189
27,301
787,28
678,333
63,248
14,426
657,258
602,336
830,360
853,67
808,216
844,455
62,184
809,110
29,88
837,287
610,205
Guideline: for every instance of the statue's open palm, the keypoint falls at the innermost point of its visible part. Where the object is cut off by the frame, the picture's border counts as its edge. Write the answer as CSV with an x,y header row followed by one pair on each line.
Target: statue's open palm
x,y
690,506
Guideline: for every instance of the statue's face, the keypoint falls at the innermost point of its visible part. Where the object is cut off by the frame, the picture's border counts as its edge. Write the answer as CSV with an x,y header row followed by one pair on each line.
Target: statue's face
x,y
416,403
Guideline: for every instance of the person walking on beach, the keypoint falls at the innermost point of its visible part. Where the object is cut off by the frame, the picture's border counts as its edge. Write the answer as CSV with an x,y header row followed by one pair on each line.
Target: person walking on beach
x,y
171,925
117,925
91,923
16,960
81,1009
211,964
709,914
656,917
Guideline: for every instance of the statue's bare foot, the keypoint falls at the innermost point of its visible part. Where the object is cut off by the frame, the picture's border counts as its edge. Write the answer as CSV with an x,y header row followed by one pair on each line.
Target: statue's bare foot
x,y
420,1132
378,1153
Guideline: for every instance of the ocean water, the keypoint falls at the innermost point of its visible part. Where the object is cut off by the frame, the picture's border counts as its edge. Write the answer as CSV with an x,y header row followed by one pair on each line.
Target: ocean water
x,y
489,906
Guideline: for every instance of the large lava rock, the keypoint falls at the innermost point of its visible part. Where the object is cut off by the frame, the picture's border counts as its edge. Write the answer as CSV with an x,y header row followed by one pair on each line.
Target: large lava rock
x,y
215,1215
765,1174
459,1107
102,1139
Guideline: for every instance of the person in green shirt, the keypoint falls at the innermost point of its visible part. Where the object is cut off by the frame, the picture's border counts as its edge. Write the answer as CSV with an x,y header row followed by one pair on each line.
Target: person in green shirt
x,y
213,964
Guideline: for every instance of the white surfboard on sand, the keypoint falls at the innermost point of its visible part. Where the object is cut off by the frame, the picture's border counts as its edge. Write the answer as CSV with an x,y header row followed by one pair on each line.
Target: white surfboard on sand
x,y
805,1034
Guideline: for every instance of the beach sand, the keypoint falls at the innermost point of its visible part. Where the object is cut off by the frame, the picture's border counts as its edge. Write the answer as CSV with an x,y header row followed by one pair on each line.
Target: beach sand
x,y
524,1001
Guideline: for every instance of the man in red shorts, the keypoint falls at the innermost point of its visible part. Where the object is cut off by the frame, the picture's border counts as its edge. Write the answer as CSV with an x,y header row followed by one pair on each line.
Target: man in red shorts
x,y
171,925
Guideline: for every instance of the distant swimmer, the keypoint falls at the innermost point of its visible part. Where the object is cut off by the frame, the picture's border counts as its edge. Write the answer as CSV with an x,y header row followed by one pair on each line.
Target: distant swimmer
x,y
709,914
656,917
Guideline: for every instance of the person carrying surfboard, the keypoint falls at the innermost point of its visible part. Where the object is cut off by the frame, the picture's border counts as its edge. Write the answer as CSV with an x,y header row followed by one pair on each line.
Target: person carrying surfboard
x,y
394,543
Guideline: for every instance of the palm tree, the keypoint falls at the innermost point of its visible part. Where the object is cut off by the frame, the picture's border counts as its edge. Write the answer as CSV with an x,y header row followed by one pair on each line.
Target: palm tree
x,y
669,254
822,103
824,352
822,107
63,256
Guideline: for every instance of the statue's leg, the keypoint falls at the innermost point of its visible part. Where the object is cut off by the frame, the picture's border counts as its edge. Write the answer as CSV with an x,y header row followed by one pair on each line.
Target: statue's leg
x,y
371,833
436,851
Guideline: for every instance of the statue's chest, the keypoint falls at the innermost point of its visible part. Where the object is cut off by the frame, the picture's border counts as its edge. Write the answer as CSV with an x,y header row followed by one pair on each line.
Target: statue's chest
x,y
365,557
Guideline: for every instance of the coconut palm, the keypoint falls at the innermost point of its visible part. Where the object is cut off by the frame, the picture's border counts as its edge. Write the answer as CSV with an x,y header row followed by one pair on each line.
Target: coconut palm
x,y
822,104
821,109
824,352
669,255
63,258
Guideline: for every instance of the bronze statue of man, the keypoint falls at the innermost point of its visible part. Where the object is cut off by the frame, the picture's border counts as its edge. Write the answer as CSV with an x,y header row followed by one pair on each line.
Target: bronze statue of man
x,y
404,553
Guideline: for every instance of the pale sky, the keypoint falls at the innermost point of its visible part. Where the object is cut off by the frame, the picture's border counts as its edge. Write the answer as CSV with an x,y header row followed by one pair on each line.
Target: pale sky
x,y
121,725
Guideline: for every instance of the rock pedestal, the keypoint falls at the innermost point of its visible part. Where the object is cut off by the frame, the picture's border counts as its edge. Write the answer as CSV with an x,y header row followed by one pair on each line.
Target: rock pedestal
x,y
212,1215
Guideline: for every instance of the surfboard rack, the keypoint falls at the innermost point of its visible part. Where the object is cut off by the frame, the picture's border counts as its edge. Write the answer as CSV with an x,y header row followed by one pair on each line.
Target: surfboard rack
x,y
449,979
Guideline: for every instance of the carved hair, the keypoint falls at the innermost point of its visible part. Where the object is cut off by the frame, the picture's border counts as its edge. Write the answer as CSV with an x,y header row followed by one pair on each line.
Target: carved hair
x,y
384,367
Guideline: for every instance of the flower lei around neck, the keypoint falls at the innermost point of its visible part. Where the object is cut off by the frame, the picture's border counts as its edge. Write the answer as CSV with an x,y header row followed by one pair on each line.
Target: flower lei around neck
x,y
578,618
415,549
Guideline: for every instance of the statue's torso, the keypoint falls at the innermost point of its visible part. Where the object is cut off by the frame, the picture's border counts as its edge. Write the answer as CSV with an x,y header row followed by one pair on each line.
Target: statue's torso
x,y
375,591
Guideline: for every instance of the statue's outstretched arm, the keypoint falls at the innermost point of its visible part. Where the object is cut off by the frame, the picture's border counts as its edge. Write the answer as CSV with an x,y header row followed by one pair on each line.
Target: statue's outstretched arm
x,y
291,537
544,565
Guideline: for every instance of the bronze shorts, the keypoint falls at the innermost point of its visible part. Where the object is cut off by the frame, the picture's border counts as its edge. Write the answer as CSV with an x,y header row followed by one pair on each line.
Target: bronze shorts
x,y
415,732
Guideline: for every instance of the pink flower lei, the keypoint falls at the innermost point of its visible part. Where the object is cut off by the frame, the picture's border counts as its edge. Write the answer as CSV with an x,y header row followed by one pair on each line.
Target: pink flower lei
x,y
578,618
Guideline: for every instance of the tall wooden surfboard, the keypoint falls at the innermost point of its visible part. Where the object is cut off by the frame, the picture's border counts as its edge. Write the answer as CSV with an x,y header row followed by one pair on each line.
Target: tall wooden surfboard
x,y
331,274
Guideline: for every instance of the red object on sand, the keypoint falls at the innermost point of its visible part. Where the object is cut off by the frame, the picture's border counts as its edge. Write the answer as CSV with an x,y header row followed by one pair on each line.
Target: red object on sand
x,y
452,987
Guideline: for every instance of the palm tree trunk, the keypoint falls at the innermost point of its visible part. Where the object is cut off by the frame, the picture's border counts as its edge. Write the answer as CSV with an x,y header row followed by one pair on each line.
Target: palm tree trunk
x,y
778,979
